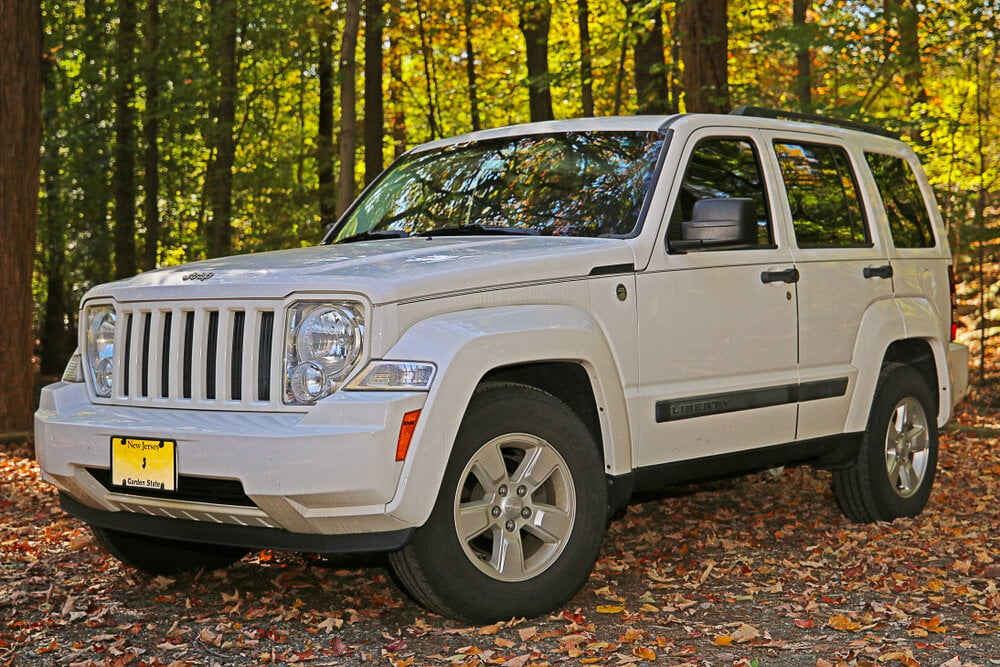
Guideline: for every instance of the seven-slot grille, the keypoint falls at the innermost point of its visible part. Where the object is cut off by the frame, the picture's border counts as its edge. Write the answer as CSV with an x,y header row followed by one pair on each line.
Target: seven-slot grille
x,y
198,355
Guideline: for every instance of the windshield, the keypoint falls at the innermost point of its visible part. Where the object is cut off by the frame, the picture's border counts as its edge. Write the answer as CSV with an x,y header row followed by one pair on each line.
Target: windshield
x,y
566,184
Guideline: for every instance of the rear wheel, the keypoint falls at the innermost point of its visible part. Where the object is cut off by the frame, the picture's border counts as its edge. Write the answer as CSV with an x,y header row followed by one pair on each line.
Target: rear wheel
x,y
160,555
895,468
520,516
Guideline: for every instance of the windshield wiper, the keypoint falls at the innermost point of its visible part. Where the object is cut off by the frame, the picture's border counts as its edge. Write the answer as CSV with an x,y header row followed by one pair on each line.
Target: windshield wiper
x,y
369,236
478,229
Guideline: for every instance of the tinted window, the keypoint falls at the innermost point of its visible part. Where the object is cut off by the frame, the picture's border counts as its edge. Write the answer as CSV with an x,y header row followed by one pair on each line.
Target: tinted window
x,y
823,195
567,184
722,167
904,204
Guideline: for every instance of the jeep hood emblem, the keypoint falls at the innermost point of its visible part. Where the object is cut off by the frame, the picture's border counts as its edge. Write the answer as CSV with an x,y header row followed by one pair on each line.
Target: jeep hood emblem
x,y
198,275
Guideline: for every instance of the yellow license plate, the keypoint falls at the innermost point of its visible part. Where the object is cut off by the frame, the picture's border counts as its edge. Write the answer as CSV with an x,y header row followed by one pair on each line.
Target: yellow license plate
x,y
143,463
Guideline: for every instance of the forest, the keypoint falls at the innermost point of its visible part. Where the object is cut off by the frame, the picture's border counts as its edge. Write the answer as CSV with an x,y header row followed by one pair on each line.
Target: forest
x,y
177,131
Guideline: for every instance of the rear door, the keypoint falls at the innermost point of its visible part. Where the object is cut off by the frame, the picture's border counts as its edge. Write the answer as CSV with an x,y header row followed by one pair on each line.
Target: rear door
x,y
843,269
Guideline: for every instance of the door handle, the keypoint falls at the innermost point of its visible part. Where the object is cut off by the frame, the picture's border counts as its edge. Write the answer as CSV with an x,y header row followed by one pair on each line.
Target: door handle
x,y
783,276
878,271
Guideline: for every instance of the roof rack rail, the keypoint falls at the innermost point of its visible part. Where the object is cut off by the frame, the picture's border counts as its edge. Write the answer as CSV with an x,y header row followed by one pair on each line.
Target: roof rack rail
x,y
761,112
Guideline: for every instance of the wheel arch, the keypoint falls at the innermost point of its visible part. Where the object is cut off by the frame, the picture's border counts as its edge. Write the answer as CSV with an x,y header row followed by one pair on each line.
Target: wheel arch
x,y
899,331
561,350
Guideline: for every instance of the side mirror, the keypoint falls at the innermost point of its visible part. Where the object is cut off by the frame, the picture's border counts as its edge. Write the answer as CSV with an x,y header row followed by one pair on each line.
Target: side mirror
x,y
719,222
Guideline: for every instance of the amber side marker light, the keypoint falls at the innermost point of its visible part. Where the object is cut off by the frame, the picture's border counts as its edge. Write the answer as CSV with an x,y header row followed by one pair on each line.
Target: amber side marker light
x,y
406,430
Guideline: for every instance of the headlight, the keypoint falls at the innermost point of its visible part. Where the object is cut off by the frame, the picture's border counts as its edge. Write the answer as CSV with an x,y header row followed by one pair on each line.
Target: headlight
x,y
100,352
323,343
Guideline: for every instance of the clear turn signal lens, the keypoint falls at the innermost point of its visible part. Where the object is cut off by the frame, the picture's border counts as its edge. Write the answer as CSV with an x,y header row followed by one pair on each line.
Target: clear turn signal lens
x,y
394,376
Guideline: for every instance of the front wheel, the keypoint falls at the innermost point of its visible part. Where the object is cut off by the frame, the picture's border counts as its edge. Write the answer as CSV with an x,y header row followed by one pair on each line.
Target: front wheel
x,y
520,516
160,555
894,471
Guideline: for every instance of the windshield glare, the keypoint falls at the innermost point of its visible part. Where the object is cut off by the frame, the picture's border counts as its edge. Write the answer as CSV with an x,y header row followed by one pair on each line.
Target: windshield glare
x,y
566,184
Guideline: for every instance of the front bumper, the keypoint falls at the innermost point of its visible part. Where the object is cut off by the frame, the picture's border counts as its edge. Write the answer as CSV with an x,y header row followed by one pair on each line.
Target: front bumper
x,y
328,471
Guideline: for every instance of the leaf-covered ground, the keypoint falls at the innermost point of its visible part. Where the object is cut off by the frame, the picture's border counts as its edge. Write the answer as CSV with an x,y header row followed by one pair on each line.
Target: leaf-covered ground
x,y
753,571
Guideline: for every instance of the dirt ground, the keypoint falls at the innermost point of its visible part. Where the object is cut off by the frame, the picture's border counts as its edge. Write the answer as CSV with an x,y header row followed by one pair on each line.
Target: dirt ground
x,y
760,570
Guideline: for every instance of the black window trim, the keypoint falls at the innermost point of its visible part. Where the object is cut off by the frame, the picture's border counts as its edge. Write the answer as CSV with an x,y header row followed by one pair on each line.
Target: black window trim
x,y
757,154
863,202
923,199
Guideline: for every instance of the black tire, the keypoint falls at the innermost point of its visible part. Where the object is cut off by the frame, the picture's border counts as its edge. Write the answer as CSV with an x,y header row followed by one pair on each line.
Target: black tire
x,y
551,525
160,555
895,468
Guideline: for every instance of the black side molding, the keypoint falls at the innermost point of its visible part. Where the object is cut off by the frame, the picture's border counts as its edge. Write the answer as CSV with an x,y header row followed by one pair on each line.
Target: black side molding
x,y
247,537
750,399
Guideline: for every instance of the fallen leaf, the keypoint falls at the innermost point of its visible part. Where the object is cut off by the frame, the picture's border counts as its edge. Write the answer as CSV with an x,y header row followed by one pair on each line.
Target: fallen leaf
x,y
610,609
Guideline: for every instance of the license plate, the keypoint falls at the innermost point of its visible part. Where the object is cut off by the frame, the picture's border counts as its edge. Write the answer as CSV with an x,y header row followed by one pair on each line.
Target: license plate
x,y
143,463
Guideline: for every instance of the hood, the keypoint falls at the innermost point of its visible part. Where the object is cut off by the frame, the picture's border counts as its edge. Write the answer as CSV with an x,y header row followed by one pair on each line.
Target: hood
x,y
385,271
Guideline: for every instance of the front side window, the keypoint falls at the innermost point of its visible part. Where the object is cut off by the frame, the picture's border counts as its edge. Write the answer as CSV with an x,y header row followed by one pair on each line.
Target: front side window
x,y
823,196
565,184
909,221
722,167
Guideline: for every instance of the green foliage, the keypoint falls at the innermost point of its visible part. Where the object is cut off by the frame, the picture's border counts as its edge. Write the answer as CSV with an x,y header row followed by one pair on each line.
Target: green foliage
x,y
863,66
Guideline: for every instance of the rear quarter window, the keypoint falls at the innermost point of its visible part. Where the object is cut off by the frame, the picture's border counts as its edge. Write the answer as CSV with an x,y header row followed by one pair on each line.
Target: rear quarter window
x,y
909,221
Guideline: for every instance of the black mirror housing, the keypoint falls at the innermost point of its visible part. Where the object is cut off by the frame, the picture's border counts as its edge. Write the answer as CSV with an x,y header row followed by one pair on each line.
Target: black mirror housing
x,y
720,222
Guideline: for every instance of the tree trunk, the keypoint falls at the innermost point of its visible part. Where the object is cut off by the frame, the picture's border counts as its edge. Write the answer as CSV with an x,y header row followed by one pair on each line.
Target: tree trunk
x,y
622,53
324,134
396,101
429,76
348,103
586,59
650,66
374,106
803,56
470,68
219,179
125,142
93,161
20,138
909,55
534,21
704,37
151,133
55,339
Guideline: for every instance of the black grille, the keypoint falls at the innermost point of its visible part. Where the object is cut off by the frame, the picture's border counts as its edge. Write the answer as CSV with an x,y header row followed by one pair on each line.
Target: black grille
x,y
192,489
264,357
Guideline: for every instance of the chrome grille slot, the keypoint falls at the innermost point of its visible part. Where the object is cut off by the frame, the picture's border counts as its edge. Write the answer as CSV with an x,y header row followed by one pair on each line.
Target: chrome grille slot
x,y
212,355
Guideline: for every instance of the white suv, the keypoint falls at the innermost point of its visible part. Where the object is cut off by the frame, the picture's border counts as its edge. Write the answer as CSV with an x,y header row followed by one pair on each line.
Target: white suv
x,y
507,334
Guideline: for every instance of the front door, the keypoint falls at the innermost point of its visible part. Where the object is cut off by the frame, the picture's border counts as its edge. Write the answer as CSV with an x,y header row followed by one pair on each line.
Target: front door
x,y
717,327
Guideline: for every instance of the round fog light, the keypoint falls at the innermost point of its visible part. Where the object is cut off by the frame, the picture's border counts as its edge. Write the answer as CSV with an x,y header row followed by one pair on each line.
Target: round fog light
x,y
308,382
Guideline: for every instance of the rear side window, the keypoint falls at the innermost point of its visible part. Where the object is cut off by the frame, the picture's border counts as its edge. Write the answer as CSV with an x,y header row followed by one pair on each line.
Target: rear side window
x,y
722,167
823,196
909,222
